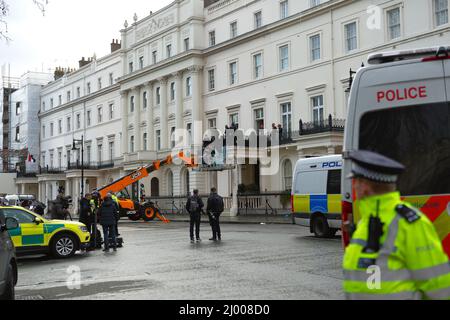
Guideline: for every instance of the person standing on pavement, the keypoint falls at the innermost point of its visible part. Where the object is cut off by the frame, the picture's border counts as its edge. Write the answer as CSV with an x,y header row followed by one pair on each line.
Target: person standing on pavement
x,y
214,208
194,206
395,251
116,201
107,218
86,211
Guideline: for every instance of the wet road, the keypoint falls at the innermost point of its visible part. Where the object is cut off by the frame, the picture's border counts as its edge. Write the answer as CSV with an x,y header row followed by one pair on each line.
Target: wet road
x,y
158,262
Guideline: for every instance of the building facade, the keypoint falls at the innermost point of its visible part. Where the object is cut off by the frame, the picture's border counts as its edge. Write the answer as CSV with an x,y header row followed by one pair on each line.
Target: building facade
x,y
196,65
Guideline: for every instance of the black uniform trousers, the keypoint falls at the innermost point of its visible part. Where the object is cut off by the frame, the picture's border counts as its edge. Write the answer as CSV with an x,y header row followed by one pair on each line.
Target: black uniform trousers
x,y
195,221
215,225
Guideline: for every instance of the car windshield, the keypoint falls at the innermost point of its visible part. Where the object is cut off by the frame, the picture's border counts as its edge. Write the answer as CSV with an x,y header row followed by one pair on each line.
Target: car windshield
x,y
418,137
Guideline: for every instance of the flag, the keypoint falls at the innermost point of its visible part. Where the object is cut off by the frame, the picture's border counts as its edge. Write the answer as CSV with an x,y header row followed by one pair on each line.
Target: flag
x,y
31,158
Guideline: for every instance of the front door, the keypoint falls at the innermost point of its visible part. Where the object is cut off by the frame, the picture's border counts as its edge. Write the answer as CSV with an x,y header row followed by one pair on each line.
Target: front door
x,y
29,234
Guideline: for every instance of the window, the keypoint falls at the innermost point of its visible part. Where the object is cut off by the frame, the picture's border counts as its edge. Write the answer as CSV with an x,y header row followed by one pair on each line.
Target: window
x,y
51,129
43,132
111,79
154,57
212,123
234,119
189,132
100,115
258,19
259,118
51,103
144,99
130,67
99,83
317,109
17,138
172,91
284,57
132,144
43,160
20,215
132,104
287,175
186,44
88,154
257,65
286,118
59,159
188,86
88,118
111,150
18,107
141,62
111,111
314,43
233,29
88,88
441,12
419,138
158,139
68,154
351,37
78,92
60,126
59,100
212,38
51,159
393,23
158,95
168,50
233,73
284,9
43,106
144,141
172,137
100,153
78,121
314,3
211,80
334,182
68,124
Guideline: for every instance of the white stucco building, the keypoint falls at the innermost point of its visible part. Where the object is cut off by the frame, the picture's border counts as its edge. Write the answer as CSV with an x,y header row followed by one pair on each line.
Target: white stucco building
x,y
249,62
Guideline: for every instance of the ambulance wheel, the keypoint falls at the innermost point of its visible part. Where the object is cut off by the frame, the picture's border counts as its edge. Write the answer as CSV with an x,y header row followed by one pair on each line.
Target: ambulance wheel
x,y
63,246
320,226
149,213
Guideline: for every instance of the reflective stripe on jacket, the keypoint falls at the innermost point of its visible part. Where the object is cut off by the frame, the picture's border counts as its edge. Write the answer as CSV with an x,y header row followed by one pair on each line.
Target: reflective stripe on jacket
x,y
411,263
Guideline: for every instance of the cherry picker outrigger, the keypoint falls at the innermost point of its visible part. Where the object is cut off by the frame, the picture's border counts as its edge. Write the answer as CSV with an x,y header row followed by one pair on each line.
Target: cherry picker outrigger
x,y
145,210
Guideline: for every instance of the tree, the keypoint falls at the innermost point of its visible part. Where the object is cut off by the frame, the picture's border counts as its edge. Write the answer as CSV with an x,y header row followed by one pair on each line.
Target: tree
x,y
4,9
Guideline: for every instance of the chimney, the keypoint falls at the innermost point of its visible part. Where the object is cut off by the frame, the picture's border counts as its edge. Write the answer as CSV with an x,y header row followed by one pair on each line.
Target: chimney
x,y
83,62
115,45
59,73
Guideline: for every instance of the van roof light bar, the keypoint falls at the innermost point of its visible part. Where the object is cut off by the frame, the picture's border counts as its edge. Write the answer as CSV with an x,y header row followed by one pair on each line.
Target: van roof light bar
x,y
393,56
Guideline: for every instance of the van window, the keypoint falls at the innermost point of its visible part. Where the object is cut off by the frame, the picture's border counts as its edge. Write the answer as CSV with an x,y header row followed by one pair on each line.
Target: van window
x,y
418,137
310,182
334,182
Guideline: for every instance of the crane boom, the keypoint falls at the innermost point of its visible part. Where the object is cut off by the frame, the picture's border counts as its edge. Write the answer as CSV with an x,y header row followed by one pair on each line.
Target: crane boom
x,y
141,173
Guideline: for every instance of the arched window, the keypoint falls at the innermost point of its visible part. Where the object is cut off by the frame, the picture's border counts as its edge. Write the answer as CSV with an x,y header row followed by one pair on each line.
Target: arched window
x,y
287,175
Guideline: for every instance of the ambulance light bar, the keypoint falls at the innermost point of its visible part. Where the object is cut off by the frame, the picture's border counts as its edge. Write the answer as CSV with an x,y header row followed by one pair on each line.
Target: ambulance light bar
x,y
386,57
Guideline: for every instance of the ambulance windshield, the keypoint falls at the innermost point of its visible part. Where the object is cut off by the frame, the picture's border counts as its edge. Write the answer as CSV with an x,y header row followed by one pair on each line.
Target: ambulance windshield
x,y
418,137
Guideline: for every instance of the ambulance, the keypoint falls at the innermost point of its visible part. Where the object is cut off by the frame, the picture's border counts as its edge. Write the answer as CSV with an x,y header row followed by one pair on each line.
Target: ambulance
x,y
399,107
316,194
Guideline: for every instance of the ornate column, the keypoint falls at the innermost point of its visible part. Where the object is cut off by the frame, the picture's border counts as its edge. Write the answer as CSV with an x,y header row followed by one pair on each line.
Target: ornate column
x,y
137,119
124,112
163,113
150,117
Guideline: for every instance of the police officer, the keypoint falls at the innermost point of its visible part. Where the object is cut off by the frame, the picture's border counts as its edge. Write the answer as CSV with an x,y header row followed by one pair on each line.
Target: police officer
x,y
395,252
117,216
214,208
95,205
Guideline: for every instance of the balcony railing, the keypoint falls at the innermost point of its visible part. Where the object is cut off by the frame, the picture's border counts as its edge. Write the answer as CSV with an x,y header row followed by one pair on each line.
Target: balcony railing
x,y
329,125
90,165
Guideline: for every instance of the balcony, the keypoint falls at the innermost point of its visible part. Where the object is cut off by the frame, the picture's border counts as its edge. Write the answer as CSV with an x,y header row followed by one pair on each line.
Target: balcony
x,y
330,125
90,165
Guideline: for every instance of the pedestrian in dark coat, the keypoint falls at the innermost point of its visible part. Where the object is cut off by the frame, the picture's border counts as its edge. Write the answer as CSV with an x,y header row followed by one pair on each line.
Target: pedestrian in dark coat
x,y
195,206
86,211
107,218
214,208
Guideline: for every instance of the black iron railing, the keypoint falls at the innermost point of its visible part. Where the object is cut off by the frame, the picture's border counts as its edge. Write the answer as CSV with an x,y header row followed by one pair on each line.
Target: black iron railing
x,y
329,125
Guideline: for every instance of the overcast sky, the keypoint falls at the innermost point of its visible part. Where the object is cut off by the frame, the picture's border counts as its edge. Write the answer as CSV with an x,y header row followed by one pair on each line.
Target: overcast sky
x,y
69,30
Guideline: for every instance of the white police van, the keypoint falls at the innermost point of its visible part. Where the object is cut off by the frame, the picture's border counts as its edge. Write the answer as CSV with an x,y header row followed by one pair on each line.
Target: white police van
x,y
399,106
316,194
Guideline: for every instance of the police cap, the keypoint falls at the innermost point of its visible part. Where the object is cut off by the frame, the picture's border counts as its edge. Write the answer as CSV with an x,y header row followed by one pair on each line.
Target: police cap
x,y
374,166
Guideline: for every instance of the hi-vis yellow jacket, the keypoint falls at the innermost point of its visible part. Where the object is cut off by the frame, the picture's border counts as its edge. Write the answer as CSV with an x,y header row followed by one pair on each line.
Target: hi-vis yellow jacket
x,y
411,263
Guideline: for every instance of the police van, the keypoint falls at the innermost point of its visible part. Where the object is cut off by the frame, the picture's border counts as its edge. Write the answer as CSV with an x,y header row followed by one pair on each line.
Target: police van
x,y
316,194
399,107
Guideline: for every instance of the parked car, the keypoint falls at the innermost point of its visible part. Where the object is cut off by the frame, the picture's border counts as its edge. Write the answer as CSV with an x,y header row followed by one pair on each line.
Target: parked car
x,y
8,265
